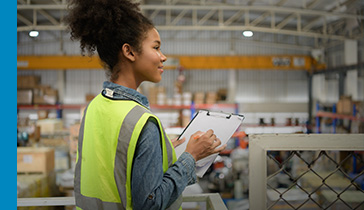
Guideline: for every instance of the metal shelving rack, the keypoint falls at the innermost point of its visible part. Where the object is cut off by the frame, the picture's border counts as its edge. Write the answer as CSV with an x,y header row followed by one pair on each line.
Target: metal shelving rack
x,y
333,115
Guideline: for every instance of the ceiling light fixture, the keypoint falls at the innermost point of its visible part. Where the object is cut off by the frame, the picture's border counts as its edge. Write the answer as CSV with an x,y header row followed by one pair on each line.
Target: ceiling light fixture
x,y
248,33
33,33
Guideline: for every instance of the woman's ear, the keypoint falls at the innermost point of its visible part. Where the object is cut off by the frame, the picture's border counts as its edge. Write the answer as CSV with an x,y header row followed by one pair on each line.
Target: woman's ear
x,y
128,52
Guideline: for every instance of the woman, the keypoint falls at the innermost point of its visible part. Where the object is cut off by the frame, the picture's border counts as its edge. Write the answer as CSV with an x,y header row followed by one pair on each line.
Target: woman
x,y
125,160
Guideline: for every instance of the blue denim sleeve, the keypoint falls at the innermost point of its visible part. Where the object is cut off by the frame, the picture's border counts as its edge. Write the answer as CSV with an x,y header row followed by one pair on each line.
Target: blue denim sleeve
x,y
150,187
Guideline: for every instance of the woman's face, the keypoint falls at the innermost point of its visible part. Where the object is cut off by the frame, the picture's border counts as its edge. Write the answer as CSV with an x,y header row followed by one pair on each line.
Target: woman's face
x,y
149,63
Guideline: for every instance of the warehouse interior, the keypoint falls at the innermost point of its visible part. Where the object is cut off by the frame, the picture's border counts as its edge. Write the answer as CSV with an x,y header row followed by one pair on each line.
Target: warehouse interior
x,y
290,67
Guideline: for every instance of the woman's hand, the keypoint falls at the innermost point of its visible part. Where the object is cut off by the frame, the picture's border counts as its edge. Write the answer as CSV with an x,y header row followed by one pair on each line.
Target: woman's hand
x,y
176,142
202,145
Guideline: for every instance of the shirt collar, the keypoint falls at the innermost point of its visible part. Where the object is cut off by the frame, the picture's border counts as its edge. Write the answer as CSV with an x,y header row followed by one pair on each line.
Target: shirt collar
x,y
116,91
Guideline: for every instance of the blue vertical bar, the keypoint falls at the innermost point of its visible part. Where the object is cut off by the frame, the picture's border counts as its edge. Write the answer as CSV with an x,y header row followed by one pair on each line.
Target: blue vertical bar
x,y
334,120
317,119
59,111
193,110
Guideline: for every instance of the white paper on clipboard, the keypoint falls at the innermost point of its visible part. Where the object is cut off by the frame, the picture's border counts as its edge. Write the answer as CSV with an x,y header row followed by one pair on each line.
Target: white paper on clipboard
x,y
224,125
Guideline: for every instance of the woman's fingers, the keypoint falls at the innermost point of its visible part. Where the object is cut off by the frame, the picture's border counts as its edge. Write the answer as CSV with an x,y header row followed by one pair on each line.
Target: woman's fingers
x,y
176,142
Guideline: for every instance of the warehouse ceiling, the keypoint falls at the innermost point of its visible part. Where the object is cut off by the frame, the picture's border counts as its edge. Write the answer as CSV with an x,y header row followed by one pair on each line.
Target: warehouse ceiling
x,y
319,20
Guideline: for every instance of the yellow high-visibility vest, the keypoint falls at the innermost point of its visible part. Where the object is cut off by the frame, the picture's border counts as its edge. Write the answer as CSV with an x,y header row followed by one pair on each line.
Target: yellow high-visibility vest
x,y
107,140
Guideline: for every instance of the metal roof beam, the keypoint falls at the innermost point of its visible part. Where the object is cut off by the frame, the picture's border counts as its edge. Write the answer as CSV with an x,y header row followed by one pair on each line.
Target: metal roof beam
x,y
253,28
206,17
24,20
57,2
312,4
276,9
259,19
154,14
42,28
285,21
179,16
309,25
209,12
49,17
265,14
234,17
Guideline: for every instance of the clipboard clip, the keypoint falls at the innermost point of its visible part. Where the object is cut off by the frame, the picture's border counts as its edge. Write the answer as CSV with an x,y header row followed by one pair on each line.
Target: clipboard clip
x,y
219,114
222,114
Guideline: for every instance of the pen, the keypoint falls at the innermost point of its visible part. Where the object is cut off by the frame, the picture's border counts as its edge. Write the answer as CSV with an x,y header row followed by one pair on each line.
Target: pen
x,y
198,136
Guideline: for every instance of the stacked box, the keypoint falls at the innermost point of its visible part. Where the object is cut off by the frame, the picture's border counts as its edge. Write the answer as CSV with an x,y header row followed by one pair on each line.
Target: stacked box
x,y
161,98
50,126
345,105
45,95
186,117
222,94
154,93
25,96
35,160
199,98
42,114
177,99
35,135
187,98
28,82
31,92
211,98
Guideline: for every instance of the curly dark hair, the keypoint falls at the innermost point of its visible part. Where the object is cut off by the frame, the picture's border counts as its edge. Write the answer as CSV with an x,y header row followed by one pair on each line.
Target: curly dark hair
x,y
105,26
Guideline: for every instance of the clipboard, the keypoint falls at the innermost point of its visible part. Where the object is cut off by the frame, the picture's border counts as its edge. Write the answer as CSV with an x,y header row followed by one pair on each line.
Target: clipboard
x,y
223,124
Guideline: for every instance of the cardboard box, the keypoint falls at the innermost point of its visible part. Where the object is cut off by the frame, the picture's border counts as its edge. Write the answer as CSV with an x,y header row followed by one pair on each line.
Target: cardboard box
x,y
42,114
35,160
35,135
153,93
344,105
44,94
211,98
28,81
222,94
25,97
50,126
199,98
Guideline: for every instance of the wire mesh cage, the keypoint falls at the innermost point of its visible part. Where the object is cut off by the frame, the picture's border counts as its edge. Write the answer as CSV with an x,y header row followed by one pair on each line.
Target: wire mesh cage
x,y
300,171
315,180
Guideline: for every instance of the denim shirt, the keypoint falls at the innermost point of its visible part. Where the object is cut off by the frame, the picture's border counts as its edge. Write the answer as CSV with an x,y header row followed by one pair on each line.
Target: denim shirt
x,y
151,188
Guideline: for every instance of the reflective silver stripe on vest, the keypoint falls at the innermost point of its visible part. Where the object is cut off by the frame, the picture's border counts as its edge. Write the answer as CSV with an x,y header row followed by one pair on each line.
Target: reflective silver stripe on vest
x,y
125,134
